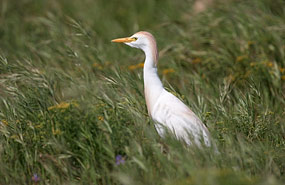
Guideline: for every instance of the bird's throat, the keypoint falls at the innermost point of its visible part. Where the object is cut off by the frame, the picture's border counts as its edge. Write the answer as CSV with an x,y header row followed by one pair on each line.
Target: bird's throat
x,y
152,85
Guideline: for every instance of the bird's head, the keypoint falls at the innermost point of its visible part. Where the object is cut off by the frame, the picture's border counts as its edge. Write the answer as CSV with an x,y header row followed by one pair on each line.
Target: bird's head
x,y
139,40
144,41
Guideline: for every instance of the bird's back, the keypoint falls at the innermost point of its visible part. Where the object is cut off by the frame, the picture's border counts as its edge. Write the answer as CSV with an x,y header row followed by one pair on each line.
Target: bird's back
x,y
171,113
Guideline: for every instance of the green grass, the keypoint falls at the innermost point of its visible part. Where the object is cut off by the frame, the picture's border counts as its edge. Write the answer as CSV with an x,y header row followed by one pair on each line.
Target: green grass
x,y
69,102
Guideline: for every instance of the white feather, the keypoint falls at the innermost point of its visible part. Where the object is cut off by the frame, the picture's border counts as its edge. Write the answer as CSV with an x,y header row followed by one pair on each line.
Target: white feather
x,y
171,113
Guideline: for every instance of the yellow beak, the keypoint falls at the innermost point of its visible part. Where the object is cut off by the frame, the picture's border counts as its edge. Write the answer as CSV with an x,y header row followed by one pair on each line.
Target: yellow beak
x,y
127,39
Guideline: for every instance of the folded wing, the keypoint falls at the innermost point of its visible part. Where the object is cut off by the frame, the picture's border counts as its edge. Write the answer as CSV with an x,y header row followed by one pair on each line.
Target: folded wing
x,y
171,113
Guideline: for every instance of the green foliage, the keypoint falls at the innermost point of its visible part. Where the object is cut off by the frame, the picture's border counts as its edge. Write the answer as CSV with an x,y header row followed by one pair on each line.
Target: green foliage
x,y
71,101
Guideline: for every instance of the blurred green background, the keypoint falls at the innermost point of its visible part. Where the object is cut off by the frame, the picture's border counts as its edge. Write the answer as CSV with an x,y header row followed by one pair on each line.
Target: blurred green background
x,y
72,108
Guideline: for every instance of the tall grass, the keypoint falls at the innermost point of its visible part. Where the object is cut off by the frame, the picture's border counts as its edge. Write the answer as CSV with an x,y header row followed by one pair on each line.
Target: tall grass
x,y
71,102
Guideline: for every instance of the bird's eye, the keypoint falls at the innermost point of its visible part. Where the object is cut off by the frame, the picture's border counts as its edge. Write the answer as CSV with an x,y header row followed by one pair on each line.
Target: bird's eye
x,y
135,38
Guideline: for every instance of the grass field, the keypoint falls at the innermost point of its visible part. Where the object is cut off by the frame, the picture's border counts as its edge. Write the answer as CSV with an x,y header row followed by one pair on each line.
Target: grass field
x,y
72,108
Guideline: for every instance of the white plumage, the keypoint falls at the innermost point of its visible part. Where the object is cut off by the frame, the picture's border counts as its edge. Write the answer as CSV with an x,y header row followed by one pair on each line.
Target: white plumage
x,y
165,109
173,114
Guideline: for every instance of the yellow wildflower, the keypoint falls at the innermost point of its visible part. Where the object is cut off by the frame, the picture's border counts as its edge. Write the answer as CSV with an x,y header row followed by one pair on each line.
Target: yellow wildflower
x,y
283,77
106,63
99,66
196,60
282,69
4,122
166,71
231,78
269,64
270,112
253,64
207,114
247,74
101,118
249,43
39,126
140,65
241,58
62,105
133,67
219,122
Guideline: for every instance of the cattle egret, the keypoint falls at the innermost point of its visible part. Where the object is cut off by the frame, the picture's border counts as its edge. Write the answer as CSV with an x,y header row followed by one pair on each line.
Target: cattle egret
x,y
165,109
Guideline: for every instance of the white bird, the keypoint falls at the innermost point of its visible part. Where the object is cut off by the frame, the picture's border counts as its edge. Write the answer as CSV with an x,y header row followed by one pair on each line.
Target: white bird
x,y
165,109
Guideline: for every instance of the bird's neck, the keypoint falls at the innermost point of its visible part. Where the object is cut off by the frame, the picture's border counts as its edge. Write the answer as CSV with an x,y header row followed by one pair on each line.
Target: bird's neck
x,y
152,84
